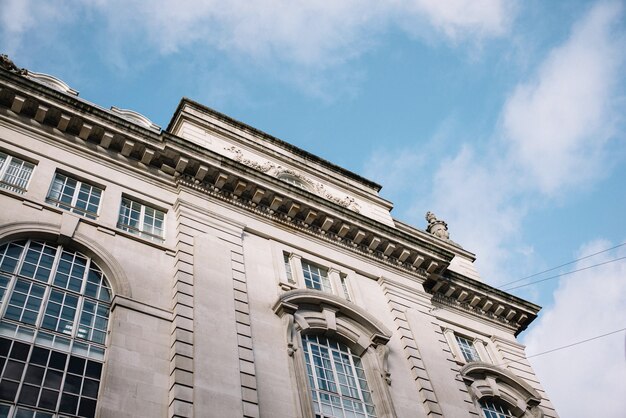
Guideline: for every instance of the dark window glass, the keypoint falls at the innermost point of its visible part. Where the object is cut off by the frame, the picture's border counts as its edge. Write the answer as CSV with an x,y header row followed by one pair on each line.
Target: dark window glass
x,y
8,390
48,399
77,365
5,345
87,408
93,369
72,384
29,395
58,360
13,370
53,379
20,351
69,403
90,388
34,375
39,356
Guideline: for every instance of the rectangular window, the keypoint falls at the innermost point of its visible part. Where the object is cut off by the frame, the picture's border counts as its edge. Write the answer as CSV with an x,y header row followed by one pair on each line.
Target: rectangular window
x,y
316,277
74,195
14,173
141,220
467,349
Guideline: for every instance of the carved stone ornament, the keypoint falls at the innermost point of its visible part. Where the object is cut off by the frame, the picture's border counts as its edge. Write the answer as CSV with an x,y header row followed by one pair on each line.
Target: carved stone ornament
x,y
382,355
436,226
276,171
7,64
263,168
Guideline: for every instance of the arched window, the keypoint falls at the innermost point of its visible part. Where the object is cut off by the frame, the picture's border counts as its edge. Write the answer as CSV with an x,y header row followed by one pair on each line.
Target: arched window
x,y
493,408
341,354
54,305
337,379
499,393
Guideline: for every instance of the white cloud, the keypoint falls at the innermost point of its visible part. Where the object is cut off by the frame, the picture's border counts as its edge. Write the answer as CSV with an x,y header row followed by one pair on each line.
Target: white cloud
x,y
559,122
19,17
463,18
312,33
587,304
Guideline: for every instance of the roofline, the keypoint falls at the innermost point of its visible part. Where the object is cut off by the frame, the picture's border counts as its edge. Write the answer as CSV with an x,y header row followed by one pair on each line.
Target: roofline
x,y
267,137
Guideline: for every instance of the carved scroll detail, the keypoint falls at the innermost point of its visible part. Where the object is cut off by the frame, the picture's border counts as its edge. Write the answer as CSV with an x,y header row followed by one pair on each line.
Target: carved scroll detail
x,y
313,186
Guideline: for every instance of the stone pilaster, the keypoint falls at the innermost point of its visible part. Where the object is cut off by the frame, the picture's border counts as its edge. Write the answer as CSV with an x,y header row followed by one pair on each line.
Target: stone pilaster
x,y
182,329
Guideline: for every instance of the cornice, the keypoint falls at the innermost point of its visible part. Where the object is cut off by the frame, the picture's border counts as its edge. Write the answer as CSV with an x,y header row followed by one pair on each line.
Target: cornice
x,y
453,291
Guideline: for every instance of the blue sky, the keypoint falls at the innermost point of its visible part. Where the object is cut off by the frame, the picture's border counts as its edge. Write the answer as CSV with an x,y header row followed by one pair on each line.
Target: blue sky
x,y
505,118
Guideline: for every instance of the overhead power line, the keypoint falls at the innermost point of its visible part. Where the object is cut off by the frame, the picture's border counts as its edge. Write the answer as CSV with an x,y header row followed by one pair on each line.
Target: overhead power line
x,y
565,346
565,274
562,265
577,343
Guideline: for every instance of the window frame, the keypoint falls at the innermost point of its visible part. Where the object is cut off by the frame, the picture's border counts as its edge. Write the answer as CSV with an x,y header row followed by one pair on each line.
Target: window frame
x,y
140,231
316,275
78,189
4,168
353,380
293,275
487,382
467,348
480,343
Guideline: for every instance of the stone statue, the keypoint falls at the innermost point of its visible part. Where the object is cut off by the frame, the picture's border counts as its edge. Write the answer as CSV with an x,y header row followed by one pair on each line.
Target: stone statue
x,y
437,227
7,64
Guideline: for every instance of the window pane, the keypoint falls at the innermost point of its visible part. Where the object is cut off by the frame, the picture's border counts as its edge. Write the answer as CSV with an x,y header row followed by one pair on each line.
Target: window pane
x,y
25,302
495,409
315,277
75,196
60,312
10,255
70,271
467,349
38,261
15,174
141,220
336,389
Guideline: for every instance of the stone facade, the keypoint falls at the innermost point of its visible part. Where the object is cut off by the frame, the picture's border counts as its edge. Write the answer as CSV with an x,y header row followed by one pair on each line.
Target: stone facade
x,y
245,277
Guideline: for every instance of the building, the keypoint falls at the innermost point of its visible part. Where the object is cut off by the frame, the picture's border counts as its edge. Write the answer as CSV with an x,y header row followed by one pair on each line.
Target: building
x,y
211,270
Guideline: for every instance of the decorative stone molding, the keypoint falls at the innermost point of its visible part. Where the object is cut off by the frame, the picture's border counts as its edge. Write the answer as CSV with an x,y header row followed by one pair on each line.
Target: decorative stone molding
x,y
238,156
52,82
487,380
313,186
295,302
475,297
306,311
136,117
